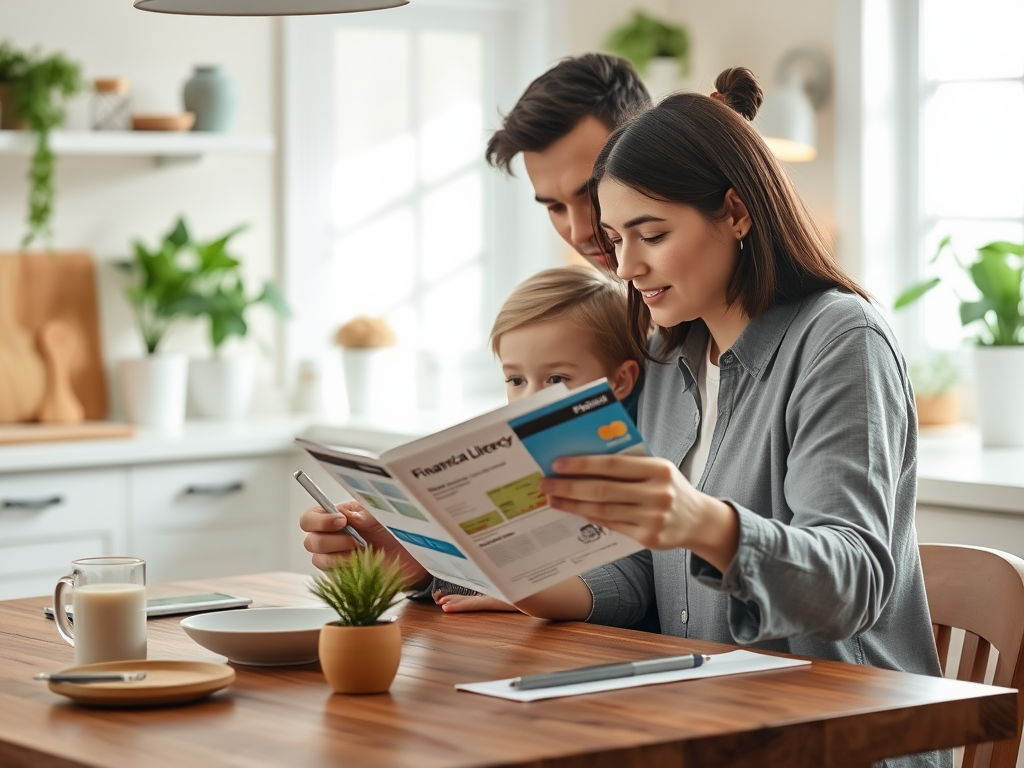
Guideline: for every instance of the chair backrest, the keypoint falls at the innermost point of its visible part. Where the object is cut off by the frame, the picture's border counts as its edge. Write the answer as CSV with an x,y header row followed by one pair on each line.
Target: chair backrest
x,y
980,591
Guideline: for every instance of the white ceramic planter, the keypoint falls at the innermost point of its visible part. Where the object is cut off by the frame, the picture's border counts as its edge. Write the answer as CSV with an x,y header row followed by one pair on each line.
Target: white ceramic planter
x,y
154,389
998,377
662,76
370,379
222,388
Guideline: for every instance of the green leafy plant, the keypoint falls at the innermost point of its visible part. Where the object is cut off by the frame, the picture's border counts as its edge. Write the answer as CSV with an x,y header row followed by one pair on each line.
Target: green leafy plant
x,y
183,277
38,87
998,273
644,37
361,587
220,294
163,281
934,376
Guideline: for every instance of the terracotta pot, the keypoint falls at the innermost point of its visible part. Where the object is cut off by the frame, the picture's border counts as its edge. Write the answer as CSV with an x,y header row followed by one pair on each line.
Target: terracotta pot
x,y
939,409
360,659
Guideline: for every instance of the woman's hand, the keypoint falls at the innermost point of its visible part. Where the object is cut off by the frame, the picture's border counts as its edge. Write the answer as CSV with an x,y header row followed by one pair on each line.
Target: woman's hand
x,y
647,499
329,544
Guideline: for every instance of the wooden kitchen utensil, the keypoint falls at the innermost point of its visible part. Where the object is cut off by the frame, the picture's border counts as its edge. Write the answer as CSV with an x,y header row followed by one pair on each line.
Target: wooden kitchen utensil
x,y
22,377
62,285
62,354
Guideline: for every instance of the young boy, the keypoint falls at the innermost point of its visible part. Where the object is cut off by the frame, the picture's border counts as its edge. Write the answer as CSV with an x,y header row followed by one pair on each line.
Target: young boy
x,y
565,325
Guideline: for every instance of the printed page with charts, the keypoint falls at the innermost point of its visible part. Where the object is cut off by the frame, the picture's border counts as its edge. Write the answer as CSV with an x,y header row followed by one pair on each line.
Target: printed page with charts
x,y
465,502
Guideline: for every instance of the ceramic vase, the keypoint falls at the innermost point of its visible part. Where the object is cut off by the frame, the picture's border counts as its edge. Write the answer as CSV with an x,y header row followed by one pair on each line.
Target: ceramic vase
x,y
222,387
213,97
370,376
998,373
360,659
154,389
938,410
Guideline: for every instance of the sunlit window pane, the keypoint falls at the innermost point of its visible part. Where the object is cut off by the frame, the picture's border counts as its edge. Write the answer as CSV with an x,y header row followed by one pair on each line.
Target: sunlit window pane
x,y
375,155
374,267
941,307
972,157
451,93
963,39
453,313
452,226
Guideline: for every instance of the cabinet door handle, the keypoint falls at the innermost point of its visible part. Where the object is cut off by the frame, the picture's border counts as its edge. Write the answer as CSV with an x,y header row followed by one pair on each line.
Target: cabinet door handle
x,y
214,490
49,501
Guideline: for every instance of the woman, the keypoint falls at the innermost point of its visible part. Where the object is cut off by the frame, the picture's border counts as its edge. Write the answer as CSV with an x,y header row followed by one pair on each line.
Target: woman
x,y
778,507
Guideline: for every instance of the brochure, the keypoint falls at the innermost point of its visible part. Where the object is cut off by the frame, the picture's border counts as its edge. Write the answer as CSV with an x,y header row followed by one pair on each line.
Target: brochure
x,y
465,502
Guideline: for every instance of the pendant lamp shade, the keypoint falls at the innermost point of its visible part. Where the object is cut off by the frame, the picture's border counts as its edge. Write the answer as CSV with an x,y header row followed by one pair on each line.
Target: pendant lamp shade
x,y
787,120
263,7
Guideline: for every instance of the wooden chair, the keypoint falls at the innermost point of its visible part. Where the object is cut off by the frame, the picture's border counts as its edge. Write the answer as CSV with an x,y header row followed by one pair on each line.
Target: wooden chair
x,y
980,591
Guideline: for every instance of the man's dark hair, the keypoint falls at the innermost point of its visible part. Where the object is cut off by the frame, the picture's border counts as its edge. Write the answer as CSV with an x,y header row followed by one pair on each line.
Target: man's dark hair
x,y
591,85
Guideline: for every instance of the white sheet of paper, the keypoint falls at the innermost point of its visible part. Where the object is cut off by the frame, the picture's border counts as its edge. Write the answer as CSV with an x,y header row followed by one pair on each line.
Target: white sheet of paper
x,y
732,663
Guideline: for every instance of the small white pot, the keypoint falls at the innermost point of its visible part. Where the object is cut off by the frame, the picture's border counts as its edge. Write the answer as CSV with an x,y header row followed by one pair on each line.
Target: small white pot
x,y
154,390
371,376
222,388
662,76
998,373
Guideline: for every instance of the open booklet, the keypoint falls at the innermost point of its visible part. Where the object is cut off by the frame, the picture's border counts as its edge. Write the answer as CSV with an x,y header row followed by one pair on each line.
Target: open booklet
x,y
465,502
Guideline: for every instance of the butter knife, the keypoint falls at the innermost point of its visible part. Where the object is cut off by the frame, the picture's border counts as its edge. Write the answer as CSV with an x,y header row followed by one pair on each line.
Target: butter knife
x,y
91,677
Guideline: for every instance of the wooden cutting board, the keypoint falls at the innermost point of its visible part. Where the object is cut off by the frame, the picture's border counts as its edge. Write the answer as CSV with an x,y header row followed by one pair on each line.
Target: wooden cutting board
x,y
11,434
62,286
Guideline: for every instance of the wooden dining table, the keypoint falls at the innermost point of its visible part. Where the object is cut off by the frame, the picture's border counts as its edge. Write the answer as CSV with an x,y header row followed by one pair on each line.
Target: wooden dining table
x,y
825,714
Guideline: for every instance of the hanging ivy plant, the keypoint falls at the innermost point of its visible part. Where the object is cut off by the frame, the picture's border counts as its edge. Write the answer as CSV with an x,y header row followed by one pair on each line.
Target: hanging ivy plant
x,y
38,87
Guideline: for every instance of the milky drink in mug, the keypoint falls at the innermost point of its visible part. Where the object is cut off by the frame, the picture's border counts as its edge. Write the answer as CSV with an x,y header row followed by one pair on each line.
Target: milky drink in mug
x,y
109,599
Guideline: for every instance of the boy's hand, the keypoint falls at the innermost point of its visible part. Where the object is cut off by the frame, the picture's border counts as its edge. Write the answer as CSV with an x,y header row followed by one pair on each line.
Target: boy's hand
x,y
328,544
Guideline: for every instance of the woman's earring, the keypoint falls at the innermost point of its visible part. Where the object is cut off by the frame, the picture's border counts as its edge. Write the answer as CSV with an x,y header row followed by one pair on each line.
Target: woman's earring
x,y
741,243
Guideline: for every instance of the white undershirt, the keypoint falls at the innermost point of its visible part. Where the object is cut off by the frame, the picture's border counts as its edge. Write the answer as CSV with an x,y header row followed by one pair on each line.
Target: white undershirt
x,y
707,384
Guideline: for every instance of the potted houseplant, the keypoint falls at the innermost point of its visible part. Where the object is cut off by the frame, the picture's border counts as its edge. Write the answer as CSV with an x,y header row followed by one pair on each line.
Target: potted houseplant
x,y
998,320
659,50
222,386
359,653
33,89
369,361
936,390
162,280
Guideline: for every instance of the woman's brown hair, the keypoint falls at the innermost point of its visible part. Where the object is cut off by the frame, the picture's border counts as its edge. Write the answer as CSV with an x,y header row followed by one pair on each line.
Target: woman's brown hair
x,y
692,149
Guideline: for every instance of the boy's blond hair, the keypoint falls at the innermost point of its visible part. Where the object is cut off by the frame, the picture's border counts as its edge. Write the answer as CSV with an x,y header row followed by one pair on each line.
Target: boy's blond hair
x,y
590,300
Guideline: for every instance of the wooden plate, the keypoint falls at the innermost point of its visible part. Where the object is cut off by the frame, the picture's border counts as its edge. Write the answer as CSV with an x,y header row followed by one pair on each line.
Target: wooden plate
x,y
167,682
182,122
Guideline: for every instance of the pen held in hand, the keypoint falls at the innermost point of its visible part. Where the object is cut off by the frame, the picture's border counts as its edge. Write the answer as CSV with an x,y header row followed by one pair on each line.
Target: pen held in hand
x,y
329,506
609,671
92,677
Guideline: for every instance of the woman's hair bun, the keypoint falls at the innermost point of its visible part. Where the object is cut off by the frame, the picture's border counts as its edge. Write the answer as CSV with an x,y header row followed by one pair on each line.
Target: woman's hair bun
x,y
741,91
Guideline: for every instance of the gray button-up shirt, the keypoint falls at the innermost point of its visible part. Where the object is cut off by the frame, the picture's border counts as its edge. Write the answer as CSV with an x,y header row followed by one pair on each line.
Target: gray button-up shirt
x,y
816,449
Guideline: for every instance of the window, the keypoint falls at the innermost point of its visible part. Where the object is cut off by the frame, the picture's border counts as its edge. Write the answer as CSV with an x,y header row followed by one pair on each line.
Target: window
x,y
391,209
971,157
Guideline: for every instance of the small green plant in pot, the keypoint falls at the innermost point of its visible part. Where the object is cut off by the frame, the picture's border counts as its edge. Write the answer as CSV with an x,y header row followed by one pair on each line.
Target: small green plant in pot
x,y
161,279
659,50
222,387
936,391
360,653
33,89
997,318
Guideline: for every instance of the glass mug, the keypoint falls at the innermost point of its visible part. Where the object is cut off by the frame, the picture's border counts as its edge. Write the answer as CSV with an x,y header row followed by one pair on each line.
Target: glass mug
x,y
109,599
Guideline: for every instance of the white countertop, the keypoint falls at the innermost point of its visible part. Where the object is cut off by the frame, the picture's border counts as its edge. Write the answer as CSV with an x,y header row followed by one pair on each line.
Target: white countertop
x,y
198,440
954,470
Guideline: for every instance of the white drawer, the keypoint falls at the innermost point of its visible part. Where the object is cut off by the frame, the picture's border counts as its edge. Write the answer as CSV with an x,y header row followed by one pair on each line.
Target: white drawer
x,y
48,519
203,519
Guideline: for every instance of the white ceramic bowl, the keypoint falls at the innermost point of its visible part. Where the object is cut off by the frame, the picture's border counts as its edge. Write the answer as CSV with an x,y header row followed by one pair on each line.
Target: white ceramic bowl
x,y
266,637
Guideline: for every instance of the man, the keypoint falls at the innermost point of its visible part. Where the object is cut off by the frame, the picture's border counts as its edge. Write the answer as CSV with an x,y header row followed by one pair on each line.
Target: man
x,y
560,124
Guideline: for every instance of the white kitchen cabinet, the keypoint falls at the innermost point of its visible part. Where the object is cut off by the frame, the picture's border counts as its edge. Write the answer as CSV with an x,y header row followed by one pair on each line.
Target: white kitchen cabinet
x,y
211,501
192,520
48,519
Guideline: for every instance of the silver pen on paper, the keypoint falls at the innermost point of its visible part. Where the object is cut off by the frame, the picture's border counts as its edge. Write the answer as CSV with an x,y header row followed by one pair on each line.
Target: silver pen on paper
x,y
91,677
609,671
321,498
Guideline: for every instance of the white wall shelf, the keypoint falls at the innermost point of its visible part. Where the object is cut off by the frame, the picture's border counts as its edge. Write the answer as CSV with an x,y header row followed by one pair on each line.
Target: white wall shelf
x,y
164,146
